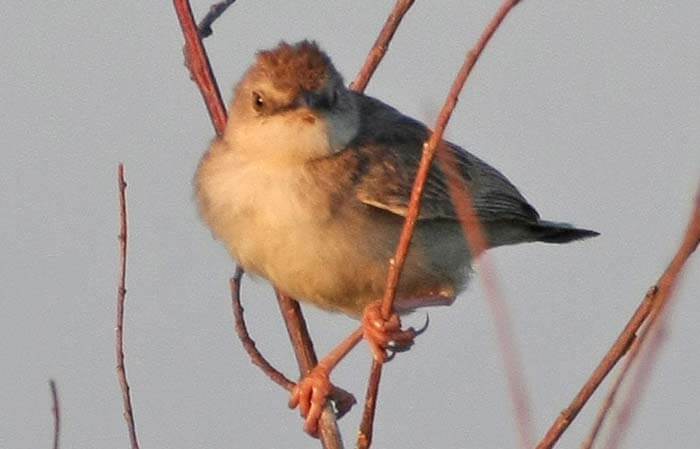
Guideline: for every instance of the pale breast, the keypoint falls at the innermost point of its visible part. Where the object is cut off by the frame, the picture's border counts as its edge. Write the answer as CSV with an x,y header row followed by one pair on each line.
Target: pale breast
x,y
278,224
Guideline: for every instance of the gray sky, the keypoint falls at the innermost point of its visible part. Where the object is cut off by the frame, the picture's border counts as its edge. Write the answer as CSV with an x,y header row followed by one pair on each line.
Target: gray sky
x,y
591,108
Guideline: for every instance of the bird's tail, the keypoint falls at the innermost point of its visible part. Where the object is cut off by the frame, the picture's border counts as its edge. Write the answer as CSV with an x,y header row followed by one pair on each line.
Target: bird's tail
x,y
554,232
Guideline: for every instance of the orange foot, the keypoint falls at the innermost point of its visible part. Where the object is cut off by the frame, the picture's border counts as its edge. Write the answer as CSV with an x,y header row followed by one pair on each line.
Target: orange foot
x,y
385,334
310,395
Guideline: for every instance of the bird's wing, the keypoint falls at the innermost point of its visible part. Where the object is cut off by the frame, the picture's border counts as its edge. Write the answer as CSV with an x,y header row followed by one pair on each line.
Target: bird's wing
x,y
389,149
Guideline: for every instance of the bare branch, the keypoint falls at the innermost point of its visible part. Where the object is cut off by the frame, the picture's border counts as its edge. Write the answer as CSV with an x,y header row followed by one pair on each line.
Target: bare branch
x,y
121,298
342,399
306,358
381,45
615,353
215,11
654,331
248,343
429,151
56,409
609,400
654,300
197,62
364,436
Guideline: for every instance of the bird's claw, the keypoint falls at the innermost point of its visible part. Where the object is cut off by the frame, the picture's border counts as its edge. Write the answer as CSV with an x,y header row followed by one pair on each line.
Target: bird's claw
x,y
384,335
342,400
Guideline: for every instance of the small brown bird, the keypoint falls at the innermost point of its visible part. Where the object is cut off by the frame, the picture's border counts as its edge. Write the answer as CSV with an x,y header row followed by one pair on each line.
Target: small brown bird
x,y
309,185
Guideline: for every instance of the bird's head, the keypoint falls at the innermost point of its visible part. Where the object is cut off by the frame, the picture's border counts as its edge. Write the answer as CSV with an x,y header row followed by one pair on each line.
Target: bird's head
x,y
293,93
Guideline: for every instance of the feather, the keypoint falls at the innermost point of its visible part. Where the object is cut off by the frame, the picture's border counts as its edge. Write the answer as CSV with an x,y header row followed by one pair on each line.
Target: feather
x,y
390,156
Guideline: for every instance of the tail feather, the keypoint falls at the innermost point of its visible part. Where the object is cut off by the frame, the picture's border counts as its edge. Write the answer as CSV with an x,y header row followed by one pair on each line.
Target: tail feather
x,y
554,232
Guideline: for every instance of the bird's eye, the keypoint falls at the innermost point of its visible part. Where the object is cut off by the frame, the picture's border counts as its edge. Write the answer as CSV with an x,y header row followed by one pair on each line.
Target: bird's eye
x,y
258,101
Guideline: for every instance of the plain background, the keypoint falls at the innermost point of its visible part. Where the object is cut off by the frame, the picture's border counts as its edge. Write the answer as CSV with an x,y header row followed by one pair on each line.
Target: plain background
x,y
591,108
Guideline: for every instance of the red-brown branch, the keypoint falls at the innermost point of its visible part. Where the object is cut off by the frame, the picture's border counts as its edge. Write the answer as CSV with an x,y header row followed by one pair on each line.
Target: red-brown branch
x,y
364,436
615,353
247,342
306,358
121,299
626,340
197,62
56,410
429,151
654,331
641,377
609,400
342,399
381,45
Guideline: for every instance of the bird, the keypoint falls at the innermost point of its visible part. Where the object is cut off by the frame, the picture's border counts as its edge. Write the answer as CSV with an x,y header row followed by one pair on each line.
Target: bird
x,y
308,187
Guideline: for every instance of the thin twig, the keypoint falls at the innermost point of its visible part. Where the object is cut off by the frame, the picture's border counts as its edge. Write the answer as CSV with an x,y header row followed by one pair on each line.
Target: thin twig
x,y
381,45
197,62
615,353
215,11
200,69
626,340
654,331
121,298
248,343
641,377
474,233
56,410
364,436
307,360
343,400
429,151
609,400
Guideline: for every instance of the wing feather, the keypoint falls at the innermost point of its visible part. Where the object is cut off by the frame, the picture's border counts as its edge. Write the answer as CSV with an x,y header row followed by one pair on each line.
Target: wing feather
x,y
390,145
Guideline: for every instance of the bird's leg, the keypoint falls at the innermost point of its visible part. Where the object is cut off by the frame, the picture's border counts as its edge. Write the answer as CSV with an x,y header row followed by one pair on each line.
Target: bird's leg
x,y
311,392
382,335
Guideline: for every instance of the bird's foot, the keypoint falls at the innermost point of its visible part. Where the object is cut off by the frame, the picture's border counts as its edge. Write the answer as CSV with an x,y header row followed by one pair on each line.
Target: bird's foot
x,y
385,335
310,395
